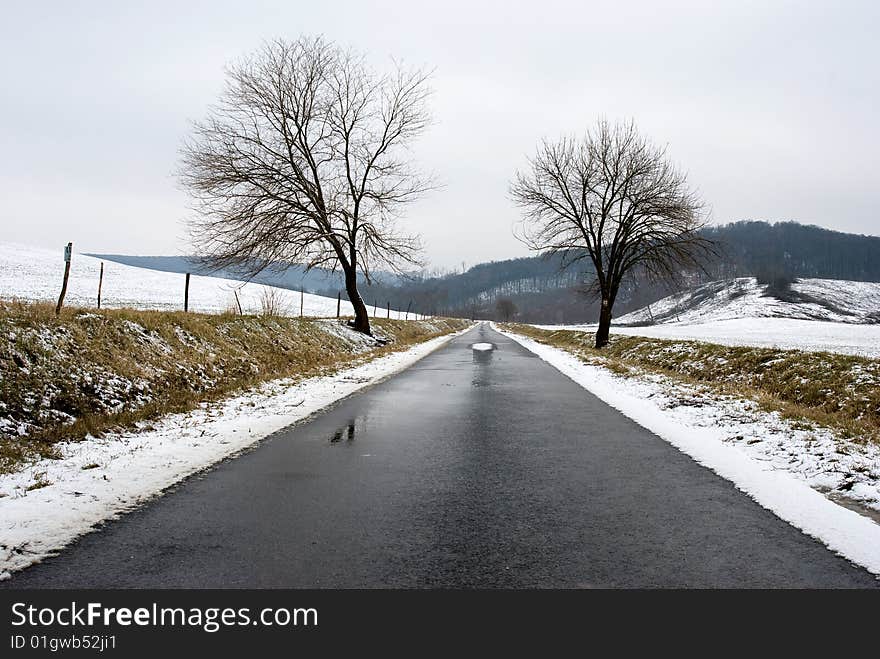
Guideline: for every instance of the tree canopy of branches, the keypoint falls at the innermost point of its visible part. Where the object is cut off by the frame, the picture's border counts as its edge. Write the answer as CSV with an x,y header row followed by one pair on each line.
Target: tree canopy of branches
x,y
306,159
612,197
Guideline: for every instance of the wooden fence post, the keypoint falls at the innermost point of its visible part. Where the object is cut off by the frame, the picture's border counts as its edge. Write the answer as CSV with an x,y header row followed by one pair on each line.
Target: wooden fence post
x,y
186,294
301,295
100,282
389,308
407,310
68,253
338,303
238,302
374,308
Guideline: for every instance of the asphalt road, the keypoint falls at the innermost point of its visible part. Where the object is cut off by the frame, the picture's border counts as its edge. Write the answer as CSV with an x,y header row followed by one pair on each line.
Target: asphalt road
x,y
470,469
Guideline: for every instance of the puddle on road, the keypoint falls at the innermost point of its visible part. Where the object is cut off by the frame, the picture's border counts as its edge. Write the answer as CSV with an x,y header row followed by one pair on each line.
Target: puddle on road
x,y
483,352
482,355
347,432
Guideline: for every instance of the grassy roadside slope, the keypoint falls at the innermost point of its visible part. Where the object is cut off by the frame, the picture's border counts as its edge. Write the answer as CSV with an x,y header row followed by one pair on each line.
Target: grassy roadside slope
x,y
87,372
841,392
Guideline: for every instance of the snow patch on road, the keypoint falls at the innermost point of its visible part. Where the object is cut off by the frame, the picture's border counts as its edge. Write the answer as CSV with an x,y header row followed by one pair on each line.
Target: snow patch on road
x,y
48,505
482,346
780,467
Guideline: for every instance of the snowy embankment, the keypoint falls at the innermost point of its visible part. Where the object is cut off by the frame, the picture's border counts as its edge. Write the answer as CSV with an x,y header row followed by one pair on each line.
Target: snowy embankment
x,y
35,274
815,314
785,469
97,479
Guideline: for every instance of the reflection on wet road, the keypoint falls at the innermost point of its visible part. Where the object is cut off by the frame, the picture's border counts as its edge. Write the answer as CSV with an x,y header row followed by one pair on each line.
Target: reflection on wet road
x,y
349,430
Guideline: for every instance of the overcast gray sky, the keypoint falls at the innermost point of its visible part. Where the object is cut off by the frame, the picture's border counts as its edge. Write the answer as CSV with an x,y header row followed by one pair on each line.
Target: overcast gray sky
x,y
770,106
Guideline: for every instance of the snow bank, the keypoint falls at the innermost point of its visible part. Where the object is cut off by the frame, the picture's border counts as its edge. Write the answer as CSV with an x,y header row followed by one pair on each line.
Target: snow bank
x,y
776,479
97,479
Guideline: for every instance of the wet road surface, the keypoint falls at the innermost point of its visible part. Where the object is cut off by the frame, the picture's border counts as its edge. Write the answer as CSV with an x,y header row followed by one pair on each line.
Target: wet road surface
x,y
473,468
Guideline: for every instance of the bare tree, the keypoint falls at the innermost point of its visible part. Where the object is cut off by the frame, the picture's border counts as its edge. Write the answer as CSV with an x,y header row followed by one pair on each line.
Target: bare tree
x,y
615,199
505,308
305,159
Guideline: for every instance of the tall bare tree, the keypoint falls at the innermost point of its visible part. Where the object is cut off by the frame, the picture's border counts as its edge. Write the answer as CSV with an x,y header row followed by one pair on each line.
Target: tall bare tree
x,y
305,159
614,198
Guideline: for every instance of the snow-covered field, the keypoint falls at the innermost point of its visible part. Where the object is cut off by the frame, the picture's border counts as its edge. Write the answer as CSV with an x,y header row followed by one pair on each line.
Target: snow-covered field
x,y
785,333
736,313
34,273
793,471
809,299
100,478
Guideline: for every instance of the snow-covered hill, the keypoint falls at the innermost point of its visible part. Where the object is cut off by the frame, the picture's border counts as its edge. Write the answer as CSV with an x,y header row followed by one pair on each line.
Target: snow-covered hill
x,y
33,273
806,299
815,314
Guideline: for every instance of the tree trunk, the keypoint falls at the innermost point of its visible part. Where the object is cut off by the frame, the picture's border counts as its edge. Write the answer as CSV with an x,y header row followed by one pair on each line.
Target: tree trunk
x,y
604,323
361,317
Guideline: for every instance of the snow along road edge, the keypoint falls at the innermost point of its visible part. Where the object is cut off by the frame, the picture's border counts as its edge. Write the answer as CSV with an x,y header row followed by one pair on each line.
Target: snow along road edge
x,y
844,531
100,478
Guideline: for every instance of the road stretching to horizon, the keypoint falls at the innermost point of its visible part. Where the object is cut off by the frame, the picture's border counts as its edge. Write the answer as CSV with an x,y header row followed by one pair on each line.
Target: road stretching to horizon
x,y
474,469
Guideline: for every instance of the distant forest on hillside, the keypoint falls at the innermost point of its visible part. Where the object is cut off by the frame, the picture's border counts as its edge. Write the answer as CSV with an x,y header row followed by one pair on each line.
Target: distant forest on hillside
x,y
543,291
751,248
